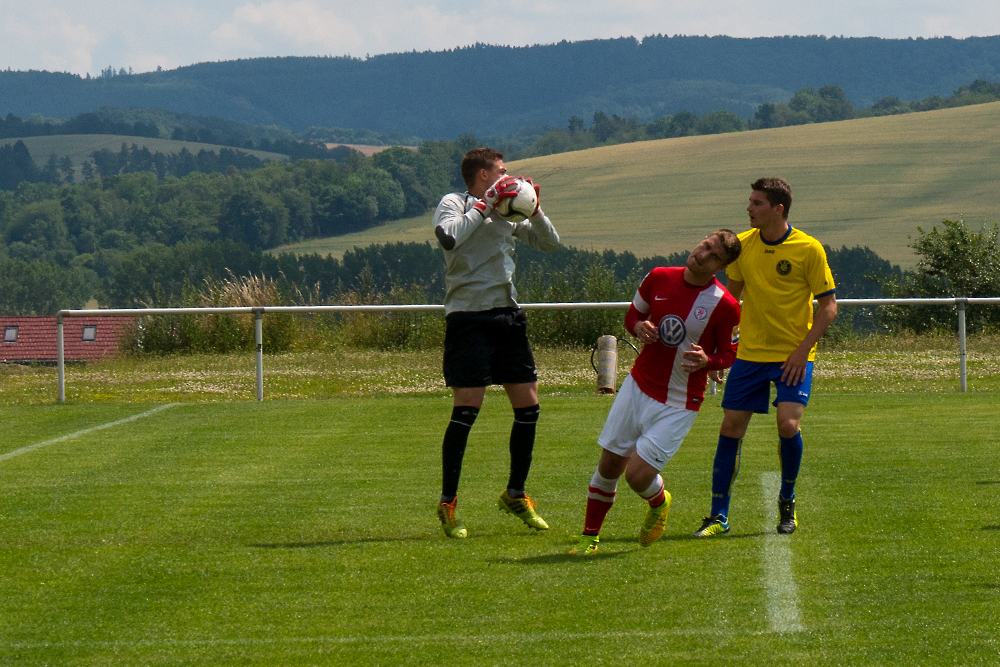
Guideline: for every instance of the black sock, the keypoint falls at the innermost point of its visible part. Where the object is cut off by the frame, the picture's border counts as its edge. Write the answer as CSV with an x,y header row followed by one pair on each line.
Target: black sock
x,y
456,436
522,442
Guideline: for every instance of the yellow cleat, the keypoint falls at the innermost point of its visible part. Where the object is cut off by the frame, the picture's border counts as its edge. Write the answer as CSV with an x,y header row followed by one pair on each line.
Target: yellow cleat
x,y
656,521
713,525
587,546
453,526
524,509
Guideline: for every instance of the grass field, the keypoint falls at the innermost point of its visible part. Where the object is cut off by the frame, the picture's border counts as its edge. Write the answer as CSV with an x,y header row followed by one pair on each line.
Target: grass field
x,y
868,182
80,146
220,531
303,532
878,364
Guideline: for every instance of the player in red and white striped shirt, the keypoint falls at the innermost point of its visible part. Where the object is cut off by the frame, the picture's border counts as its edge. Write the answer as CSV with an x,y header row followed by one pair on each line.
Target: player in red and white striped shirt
x,y
685,319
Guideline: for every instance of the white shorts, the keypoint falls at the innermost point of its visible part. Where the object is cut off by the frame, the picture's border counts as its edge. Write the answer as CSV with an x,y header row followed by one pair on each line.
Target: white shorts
x,y
638,423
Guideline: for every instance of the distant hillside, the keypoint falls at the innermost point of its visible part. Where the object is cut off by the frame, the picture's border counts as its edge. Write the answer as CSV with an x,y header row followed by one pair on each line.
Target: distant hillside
x,y
439,94
80,146
868,182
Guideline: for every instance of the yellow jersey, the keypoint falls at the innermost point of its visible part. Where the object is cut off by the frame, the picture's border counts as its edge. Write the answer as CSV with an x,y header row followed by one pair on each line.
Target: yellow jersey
x,y
780,279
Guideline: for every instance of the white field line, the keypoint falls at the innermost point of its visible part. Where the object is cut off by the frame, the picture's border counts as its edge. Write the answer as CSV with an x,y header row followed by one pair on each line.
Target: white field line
x,y
39,445
782,595
506,638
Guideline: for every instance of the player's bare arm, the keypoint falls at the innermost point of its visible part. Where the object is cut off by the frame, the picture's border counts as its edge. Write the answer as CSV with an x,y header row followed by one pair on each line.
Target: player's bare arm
x,y
794,368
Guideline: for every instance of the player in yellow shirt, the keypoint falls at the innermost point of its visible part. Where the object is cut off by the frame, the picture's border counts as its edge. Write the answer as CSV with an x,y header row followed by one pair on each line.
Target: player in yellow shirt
x,y
777,275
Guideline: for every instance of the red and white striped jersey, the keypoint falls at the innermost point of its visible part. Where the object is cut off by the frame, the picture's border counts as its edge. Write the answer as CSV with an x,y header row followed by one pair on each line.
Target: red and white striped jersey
x,y
684,314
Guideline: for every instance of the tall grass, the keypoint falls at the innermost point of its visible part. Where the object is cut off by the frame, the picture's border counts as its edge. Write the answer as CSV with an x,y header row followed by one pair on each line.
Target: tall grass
x,y
374,331
576,284
169,334
215,333
166,334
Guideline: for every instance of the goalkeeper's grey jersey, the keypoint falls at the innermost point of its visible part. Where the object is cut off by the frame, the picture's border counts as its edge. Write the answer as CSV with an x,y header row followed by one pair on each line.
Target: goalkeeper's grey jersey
x,y
480,260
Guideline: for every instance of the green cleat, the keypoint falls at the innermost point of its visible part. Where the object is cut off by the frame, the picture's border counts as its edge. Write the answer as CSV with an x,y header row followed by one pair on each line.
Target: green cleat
x,y
656,521
453,526
524,509
713,525
587,546
787,522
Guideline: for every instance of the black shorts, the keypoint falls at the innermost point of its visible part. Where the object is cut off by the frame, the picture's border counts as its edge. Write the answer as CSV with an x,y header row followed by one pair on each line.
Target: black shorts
x,y
487,347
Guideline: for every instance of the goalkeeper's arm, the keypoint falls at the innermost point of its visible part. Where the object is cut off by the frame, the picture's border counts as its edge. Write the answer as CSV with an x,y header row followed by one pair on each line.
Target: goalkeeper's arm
x,y
537,230
452,223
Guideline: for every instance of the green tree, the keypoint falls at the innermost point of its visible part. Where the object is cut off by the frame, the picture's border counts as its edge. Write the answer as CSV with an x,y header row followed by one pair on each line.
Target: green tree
x,y
43,288
958,261
66,170
375,196
720,122
682,124
778,115
953,260
50,172
423,180
38,231
253,217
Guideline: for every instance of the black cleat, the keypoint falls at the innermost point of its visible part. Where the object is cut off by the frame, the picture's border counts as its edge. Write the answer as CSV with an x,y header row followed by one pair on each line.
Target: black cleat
x,y
787,523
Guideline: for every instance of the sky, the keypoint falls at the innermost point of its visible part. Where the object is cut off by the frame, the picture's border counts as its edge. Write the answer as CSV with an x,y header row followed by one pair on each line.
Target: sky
x,y
87,36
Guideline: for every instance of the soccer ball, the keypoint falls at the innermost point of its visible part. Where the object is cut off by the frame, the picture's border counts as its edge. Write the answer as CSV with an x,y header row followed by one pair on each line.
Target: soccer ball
x,y
520,207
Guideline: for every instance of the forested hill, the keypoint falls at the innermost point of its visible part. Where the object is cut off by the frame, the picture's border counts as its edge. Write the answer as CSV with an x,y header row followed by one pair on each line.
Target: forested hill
x,y
489,90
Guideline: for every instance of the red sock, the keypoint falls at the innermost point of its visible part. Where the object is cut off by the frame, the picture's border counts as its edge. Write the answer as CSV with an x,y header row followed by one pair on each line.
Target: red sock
x,y
600,498
598,504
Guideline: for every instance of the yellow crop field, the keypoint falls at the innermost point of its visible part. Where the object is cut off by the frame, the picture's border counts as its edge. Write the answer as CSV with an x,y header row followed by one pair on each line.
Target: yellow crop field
x,y
868,182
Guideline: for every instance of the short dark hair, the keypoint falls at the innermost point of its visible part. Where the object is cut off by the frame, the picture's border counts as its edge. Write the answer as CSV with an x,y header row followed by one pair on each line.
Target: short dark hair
x,y
476,159
730,243
777,191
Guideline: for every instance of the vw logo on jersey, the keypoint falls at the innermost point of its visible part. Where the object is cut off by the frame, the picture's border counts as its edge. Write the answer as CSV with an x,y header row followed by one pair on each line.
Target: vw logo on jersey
x,y
784,267
672,330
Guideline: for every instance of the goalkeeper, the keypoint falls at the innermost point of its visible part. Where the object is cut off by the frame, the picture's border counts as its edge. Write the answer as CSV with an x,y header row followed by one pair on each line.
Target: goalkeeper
x,y
486,337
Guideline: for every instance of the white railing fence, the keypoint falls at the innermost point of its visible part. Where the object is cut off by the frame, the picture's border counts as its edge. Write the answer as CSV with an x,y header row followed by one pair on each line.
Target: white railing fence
x,y
961,303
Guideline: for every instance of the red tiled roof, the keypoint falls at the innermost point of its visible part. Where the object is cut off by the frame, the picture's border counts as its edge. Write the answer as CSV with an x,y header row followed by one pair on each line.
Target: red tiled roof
x,y
36,338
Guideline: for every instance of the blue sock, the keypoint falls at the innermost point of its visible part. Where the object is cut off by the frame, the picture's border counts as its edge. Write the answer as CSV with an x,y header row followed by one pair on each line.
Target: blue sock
x,y
724,471
790,455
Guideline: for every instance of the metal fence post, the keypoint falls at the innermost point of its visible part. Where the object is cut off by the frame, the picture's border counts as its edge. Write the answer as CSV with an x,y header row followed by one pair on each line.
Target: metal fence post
x,y
60,360
961,302
259,338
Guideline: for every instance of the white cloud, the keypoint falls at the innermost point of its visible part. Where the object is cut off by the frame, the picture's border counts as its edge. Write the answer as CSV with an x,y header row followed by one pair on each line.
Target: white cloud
x,y
47,39
399,26
301,27
88,35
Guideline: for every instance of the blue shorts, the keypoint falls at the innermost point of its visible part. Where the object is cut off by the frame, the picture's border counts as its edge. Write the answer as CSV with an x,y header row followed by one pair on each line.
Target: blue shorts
x,y
749,386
